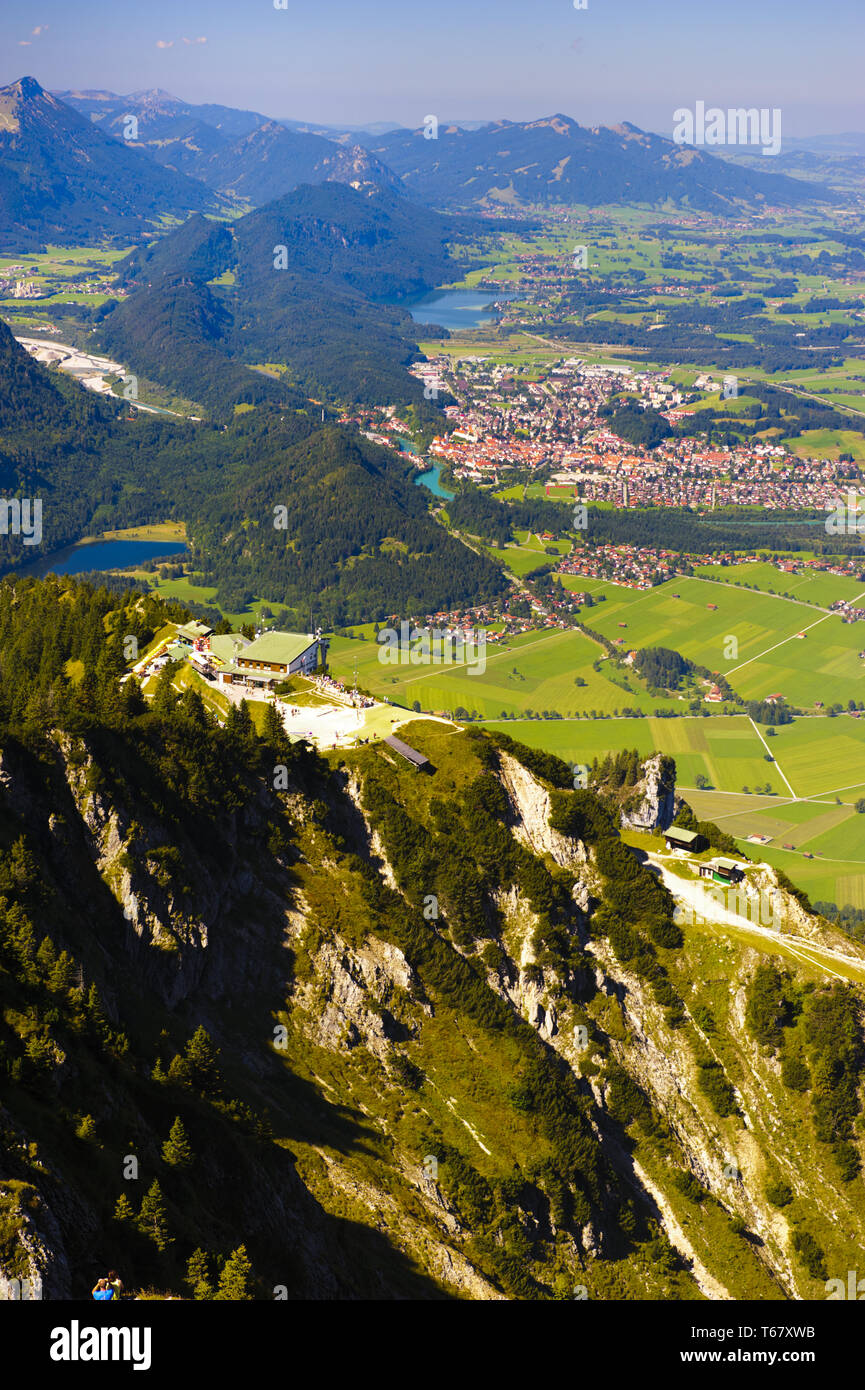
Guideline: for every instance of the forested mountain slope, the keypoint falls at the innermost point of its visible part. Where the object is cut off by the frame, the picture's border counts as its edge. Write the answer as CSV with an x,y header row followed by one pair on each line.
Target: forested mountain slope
x,y
63,180
357,542
394,1034
306,283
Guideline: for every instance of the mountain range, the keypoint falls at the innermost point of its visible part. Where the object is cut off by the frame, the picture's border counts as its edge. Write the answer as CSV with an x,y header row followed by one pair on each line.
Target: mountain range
x,y
241,154
556,160
82,166
64,180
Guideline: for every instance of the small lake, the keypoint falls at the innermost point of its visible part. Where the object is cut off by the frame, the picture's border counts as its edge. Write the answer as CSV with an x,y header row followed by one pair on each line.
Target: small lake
x,y
107,555
430,480
456,309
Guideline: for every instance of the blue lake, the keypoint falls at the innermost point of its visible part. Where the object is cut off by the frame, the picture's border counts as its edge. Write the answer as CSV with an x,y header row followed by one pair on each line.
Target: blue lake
x,y
455,308
108,555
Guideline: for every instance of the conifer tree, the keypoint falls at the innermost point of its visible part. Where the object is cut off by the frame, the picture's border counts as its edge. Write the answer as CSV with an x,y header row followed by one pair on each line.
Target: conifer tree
x,y
124,1210
178,1071
198,1275
177,1150
132,700
236,1276
153,1218
62,973
201,1058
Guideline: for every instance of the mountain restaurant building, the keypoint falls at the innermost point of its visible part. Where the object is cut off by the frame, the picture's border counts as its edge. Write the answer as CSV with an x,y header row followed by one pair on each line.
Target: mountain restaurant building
x,y
274,657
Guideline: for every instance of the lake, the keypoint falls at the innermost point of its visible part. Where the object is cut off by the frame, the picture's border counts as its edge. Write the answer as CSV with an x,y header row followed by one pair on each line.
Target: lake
x,y
107,555
455,308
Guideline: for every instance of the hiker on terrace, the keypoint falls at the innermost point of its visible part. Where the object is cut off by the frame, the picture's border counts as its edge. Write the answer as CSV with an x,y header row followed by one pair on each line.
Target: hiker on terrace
x,y
102,1292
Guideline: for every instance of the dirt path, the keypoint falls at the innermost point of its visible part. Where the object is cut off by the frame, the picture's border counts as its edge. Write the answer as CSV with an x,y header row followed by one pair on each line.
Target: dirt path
x,y
692,895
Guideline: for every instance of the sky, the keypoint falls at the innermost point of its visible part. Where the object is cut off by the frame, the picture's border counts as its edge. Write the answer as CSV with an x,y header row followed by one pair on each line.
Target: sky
x,y
341,63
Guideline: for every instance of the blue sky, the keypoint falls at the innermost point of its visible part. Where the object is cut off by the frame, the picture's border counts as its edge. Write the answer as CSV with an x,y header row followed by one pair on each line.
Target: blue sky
x,y
399,60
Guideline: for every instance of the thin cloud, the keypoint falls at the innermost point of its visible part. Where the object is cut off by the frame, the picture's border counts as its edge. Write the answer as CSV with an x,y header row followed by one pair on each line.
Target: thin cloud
x,y
165,43
40,29
190,41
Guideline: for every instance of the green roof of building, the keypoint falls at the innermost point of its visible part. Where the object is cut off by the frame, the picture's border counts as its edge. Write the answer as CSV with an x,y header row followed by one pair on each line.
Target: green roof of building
x,y
193,630
280,647
227,645
726,864
678,832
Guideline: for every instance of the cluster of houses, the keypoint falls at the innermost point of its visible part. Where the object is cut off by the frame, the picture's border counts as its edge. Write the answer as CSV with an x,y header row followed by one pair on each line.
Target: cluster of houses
x,y
507,419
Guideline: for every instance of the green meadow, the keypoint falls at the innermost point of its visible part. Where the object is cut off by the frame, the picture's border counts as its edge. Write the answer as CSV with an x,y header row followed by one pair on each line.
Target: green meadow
x,y
534,671
808,587
724,749
751,638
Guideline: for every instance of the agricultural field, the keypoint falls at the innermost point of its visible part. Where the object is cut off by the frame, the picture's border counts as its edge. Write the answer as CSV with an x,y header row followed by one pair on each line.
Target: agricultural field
x,y
699,617
807,587
527,552
534,671
818,844
725,750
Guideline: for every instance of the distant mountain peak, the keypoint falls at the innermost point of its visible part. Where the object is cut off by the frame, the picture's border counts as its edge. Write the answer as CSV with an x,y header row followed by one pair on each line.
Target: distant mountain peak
x,y
26,87
563,125
155,94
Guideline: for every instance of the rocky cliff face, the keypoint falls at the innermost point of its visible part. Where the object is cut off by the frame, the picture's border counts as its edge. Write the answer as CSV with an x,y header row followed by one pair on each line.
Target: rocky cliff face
x,y
651,804
391,1122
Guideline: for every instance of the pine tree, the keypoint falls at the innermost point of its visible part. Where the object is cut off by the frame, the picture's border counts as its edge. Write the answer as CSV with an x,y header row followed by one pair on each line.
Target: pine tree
x,y
198,1275
124,1210
164,695
153,1218
240,731
177,1150
201,1058
273,733
133,701
235,1278
158,1073
62,973
179,1071
46,955
93,1009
